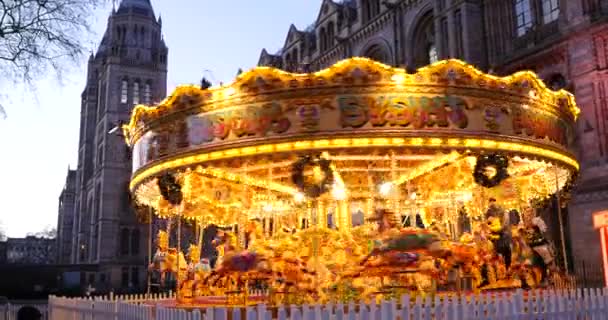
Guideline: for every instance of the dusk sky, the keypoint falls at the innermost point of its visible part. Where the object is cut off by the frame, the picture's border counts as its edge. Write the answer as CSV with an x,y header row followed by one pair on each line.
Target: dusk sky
x,y
39,138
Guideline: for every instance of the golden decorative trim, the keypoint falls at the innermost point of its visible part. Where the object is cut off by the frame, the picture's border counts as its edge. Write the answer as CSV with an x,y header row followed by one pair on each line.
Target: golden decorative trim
x,y
449,74
461,144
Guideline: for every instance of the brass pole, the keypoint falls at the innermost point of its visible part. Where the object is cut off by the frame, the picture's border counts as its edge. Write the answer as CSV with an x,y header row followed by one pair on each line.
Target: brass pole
x,y
200,237
559,217
179,249
149,247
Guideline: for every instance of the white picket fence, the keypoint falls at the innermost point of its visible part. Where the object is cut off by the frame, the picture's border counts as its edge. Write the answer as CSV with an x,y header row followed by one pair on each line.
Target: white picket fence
x,y
574,304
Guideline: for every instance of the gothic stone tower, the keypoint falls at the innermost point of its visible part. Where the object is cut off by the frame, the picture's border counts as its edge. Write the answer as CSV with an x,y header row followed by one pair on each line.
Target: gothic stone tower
x,y
129,67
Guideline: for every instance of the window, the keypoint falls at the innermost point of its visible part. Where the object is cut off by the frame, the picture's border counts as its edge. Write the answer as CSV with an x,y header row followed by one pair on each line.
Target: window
x,y
331,34
445,42
135,92
124,279
322,39
124,242
147,93
550,10
124,91
135,242
99,156
441,4
371,9
523,14
433,57
135,276
459,37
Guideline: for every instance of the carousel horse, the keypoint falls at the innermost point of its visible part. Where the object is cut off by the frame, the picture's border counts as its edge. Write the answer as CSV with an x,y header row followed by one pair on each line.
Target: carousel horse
x,y
399,246
187,279
466,257
225,243
234,264
159,261
523,267
487,255
293,274
201,270
253,234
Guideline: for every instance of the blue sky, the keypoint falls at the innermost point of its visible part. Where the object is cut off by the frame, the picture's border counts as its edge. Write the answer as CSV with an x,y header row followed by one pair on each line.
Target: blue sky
x,y
39,138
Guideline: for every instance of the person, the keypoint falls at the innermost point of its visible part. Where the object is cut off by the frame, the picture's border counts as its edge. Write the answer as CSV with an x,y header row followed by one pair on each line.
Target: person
x,y
501,229
464,221
543,255
494,209
418,222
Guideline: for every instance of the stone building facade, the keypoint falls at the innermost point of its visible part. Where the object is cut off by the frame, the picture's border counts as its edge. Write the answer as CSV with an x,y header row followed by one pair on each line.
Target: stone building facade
x,y
564,41
30,250
129,67
65,218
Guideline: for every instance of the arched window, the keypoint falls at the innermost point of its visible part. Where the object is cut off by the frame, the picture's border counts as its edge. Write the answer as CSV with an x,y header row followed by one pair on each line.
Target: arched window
x,y
136,92
142,34
294,54
423,41
124,91
371,8
135,242
322,40
331,34
147,93
379,53
287,62
124,241
374,6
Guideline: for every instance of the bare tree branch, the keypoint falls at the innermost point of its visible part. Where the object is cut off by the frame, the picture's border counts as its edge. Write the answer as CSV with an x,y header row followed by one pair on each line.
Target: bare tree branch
x,y
38,35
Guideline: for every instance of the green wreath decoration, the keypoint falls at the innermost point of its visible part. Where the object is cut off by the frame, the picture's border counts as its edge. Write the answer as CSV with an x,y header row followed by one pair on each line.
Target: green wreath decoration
x,y
499,162
312,190
170,189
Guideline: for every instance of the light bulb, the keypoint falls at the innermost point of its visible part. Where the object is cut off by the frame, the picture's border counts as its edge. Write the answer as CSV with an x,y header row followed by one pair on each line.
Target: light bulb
x,y
298,197
338,193
386,188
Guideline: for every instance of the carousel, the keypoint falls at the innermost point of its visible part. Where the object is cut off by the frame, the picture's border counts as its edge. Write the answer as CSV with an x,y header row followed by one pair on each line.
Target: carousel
x,y
354,182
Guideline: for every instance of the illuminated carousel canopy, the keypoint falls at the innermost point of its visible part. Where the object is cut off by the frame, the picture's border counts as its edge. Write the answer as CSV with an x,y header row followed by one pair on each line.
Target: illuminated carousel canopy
x,y
379,125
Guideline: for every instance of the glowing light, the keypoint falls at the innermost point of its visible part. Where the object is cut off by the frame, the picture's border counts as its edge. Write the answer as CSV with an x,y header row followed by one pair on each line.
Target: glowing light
x,y
386,188
398,78
298,197
267,207
230,91
413,196
183,161
338,193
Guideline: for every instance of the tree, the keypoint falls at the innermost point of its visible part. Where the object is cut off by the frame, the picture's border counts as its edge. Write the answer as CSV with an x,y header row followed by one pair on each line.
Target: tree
x,y
36,35
47,233
2,233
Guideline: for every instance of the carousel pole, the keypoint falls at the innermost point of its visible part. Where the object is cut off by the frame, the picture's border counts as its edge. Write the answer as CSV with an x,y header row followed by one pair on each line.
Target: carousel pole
x,y
395,194
179,249
200,238
559,217
149,247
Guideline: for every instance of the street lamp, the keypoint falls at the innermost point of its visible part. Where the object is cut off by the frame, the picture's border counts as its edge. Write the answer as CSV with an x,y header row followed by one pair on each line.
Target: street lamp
x,y
116,130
